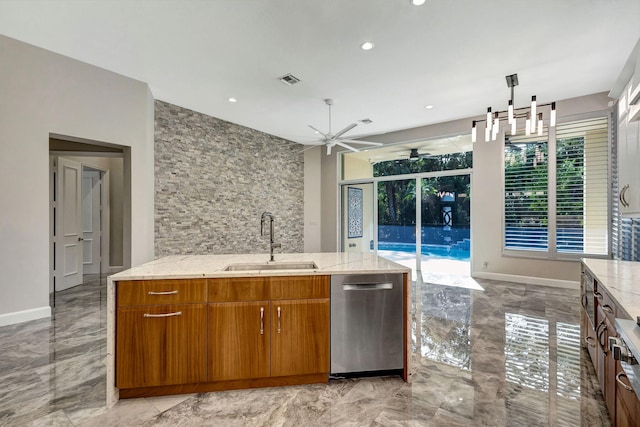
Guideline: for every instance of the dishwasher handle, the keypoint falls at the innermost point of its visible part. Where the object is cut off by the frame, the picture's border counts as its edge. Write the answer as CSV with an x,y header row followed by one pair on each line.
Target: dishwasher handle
x,y
366,286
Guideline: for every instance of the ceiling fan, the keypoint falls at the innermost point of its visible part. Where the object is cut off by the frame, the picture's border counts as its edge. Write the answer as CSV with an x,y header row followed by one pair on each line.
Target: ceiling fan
x,y
331,140
415,155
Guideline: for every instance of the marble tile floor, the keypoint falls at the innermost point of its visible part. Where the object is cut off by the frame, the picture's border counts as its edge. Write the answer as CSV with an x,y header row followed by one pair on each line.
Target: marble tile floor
x,y
506,354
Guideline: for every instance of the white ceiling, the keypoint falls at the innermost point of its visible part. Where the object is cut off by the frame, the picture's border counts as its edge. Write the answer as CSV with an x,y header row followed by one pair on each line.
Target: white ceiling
x,y
452,54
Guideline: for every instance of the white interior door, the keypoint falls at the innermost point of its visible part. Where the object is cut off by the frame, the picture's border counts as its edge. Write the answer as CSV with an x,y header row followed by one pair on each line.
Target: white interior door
x,y
91,223
69,224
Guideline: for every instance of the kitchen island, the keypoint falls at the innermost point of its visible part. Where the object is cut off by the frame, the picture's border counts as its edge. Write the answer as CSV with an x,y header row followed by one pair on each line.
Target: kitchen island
x,y
217,322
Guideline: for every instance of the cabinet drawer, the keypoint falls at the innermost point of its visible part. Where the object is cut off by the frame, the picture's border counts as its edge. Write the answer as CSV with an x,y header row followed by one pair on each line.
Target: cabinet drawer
x,y
149,292
606,303
299,287
238,289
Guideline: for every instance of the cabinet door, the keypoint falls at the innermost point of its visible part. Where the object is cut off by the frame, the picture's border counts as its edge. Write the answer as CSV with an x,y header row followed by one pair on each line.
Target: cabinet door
x,y
627,403
300,337
628,159
239,340
161,345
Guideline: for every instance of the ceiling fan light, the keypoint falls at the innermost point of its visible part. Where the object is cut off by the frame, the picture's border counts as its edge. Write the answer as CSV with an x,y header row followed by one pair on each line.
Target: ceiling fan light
x,y
418,2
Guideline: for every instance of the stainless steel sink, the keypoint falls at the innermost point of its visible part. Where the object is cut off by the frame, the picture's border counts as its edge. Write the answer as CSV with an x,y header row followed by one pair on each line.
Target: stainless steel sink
x,y
272,266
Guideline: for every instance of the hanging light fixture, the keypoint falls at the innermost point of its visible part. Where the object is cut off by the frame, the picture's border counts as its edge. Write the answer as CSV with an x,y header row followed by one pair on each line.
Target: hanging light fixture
x,y
533,117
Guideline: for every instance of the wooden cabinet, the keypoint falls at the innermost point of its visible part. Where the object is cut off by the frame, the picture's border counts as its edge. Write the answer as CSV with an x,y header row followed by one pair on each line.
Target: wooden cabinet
x,y
239,340
184,336
300,331
622,402
286,333
627,403
161,332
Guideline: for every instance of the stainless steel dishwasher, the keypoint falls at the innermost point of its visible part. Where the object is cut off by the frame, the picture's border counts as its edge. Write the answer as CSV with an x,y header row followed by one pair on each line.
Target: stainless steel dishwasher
x,y
366,323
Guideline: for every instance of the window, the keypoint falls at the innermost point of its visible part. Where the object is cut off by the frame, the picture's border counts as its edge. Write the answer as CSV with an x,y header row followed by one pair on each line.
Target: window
x,y
556,190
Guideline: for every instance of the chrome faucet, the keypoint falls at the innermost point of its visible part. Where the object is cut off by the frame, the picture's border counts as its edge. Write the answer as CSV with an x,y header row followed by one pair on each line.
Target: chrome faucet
x,y
272,245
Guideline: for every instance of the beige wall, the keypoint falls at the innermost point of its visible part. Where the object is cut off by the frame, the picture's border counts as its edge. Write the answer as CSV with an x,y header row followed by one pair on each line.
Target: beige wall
x,y
486,212
43,95
312,205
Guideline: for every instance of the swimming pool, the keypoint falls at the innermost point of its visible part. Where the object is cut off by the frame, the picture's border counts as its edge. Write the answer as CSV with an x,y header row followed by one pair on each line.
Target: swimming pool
x,y
436,251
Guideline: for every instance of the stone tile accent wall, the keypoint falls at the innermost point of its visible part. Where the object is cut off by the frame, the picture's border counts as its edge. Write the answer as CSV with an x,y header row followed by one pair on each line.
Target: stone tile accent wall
x,y
213,180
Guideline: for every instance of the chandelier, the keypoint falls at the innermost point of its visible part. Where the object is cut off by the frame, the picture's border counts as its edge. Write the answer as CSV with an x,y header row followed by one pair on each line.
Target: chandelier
x,y
531,115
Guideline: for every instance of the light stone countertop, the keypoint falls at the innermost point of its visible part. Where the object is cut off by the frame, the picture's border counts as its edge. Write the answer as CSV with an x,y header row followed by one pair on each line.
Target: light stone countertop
x,y
622,281
195,266
212,266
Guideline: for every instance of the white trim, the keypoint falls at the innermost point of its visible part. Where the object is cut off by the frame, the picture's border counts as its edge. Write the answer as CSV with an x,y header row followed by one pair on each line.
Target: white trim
x,y
542,281
25,315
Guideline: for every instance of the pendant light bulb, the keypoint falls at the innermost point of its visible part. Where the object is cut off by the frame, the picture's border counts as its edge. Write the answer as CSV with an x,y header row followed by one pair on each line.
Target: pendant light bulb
x,y
489,118
474,132
540,124
513,127
496,126
511,111
487,132
534,114
552,118
527,128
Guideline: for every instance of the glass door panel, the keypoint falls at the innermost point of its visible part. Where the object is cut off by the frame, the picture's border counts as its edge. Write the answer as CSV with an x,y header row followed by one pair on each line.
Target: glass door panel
x,y
445,224
357,218
397,221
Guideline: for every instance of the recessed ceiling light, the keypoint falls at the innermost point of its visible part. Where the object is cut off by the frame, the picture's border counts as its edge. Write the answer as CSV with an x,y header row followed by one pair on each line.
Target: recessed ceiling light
x,y
232,100
417,2
428,107
366,46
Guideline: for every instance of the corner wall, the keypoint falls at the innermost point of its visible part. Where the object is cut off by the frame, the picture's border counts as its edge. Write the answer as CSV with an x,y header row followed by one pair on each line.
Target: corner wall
x,y
213,181
44,93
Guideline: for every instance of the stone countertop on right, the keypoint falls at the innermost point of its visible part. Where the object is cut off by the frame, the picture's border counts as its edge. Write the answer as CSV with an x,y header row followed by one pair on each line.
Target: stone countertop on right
x,y
622,281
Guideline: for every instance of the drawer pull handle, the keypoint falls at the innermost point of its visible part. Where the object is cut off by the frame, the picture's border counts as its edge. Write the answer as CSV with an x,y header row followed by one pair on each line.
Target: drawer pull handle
x,y
588,340
607,309
623,197
367,286
177,313
163,293
261,320
278,319
622,374
597,294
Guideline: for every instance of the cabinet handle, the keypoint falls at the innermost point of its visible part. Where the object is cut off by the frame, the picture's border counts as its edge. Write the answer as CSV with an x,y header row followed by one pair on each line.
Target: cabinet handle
x,y
622,196
622,374
588,340
607,309
585,300
163,293
278,319
601,335
177,313
597,294
261,320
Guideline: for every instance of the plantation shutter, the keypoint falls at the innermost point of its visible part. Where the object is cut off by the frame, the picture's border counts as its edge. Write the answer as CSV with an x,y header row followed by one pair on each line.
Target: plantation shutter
x,y
582,180
526,194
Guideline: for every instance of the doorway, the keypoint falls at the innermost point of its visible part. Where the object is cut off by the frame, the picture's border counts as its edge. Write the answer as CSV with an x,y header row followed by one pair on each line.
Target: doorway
x,y
86,212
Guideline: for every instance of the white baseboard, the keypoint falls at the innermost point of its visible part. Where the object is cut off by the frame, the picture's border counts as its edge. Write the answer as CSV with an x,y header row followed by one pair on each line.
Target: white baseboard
x,y
25,315
555,283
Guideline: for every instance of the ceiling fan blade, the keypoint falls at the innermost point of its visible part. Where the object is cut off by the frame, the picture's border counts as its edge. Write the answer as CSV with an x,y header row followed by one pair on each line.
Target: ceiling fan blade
x,y
342,144
329,149
355,141
345,130
321,133
310,146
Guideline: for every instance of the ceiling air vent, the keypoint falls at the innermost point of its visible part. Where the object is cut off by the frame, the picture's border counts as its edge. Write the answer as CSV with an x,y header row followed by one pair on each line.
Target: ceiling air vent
x,y
289,79
366,121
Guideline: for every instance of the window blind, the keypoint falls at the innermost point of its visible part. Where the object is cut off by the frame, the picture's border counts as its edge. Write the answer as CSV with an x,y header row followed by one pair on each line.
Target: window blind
x,y
526,193
582,180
